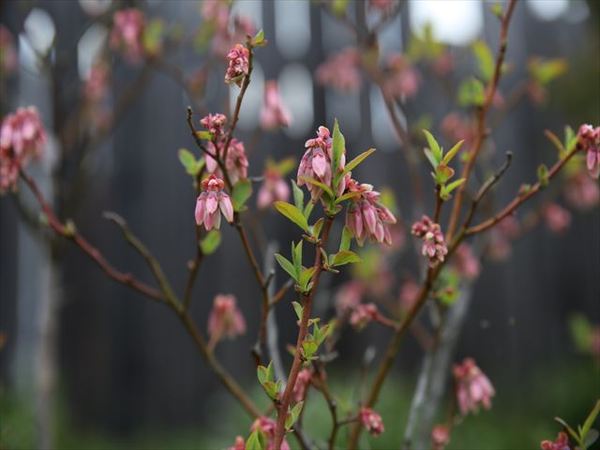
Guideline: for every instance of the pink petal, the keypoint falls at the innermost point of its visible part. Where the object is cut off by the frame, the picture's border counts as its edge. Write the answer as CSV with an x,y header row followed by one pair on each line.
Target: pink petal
x,y
226,207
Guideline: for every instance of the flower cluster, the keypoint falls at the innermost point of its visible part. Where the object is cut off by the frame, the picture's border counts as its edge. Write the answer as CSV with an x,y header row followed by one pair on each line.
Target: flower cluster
x,y
22,137
440,437
225,319
239,64
127,34
363,314
274,113
210,201
366,216
589,141
316,164
302,384
561,443
465,262
473,388
556,217
215,124
267,427
402,79
274,188
8,52
341,71
371,421
434,244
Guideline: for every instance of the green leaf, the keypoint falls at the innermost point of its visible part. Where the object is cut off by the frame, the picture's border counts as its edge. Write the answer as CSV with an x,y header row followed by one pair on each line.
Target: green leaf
x,y
262,374
556,142
452,152
298,196
447,190
542,174
356,161
211,242
443,173
346,196
587,425
308,209
430,157
297,256
241,193
254,442
292,213
293,415
298,309
272,389
309,347
188,161
317,227
435,148
346,239
320,185
471,93
570,139
285,166
287,266
205,135
543,71
485,59
259,39
305,277
338,7
344,257
590,438
338,147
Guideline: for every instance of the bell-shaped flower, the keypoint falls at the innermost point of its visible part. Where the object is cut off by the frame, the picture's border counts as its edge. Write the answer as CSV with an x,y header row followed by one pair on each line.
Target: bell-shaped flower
x,y
372,421
225,319
434,244
274,113
212,202
274,188
473,388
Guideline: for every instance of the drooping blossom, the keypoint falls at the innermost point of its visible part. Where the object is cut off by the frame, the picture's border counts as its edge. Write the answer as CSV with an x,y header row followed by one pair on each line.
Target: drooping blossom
x,y
239,444
211,203
556,217
96,83
363,314
561,443
302,384
127,34
582,192
348,297
267,427
215,124
274,188
473,388
366,216
236,162
434,244
341,71
371,421
440,437
22,138
239,64
225,319
316,164
589,141
401,78
465,262
409,294
274,113
8,52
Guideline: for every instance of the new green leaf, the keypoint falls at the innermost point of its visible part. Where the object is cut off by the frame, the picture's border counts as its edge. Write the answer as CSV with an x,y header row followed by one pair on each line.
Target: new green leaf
x,y
292,213
211,242
241,193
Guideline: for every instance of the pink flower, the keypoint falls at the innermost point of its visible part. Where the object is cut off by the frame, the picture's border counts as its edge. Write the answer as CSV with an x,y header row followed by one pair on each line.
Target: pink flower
x,y
557,218
267,427
127,34
348,297
366,216
589,141
473,388
341,71
409,294
316,164
239,444
225,319
274,114
22,138
434,244
465,262
302,384
8,52
371,421
236,161
210,201
96,84
274,188
363,314
402,80
440,437
239,64
582,192
561,443
215,124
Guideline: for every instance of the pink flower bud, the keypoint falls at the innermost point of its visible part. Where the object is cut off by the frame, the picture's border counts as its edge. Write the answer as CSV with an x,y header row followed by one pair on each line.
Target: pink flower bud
x,y
225,320
582,192
127,34
239,444
239,64
589,140
434,244
302,384
363,314
341,71
215,124
371,421
473,388
22,138
440,437
557,218
274,113
211,203
561,443
274,188
267,427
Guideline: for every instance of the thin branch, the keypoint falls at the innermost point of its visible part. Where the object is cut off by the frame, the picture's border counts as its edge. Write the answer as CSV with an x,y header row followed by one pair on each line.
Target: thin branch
x,y
280,294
